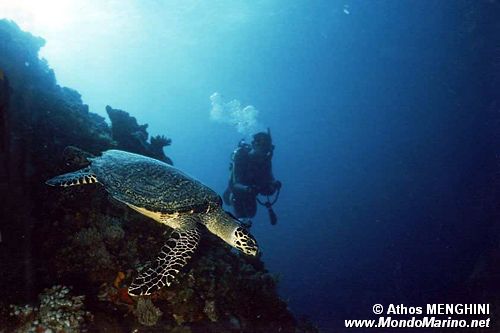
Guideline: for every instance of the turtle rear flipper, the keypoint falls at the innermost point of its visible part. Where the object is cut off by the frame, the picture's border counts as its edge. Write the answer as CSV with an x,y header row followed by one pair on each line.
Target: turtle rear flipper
x,y
79,177
173,256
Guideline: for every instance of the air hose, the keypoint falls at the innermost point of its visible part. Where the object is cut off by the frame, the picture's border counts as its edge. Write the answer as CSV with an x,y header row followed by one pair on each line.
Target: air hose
x,y
269,205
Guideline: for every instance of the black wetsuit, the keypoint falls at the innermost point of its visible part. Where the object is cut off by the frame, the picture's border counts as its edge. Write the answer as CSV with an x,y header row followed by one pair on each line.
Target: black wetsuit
x,y
251,175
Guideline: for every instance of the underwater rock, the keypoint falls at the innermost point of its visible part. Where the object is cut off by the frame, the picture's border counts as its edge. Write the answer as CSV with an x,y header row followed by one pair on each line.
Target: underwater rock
x,y
4,105
90,241
97,249
147,314
76,158
156,148
57,311
132,137
210,310
129,135
19,52
235,323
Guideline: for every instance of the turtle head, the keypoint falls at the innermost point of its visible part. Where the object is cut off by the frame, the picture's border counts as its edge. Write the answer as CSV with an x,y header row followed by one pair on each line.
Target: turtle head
x,y
227,227
244,241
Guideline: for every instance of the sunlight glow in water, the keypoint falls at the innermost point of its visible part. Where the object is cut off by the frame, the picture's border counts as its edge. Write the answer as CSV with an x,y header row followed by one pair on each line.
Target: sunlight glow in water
x,y
33,15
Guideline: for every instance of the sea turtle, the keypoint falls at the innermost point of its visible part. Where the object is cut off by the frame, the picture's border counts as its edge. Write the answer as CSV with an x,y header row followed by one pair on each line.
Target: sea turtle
x,y
168,196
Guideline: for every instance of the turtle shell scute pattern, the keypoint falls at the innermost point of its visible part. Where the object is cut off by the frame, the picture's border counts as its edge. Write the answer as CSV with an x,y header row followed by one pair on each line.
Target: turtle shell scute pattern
x,y
151,184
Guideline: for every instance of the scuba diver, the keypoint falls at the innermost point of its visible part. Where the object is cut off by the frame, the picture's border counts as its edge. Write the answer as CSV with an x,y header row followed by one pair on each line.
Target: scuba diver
x,y
251,175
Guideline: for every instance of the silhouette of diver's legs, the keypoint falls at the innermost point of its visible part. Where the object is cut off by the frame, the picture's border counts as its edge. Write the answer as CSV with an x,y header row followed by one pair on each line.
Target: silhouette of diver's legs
x,y
245,205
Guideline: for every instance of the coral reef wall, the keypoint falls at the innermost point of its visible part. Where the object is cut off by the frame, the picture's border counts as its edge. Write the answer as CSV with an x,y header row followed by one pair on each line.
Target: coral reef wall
x,y
79,237
39,118
131,136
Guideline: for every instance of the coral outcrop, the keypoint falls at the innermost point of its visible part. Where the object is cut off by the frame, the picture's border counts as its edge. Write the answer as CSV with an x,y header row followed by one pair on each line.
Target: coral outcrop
x,y
131,136
147,314
57,311
79,237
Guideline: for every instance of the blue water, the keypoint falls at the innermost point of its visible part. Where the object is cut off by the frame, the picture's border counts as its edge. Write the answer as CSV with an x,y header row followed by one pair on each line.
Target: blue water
x,y
379,113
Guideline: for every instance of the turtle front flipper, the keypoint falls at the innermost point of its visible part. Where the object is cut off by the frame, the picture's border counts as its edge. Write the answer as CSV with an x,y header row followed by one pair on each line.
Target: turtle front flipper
x,y
173,256
79,177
